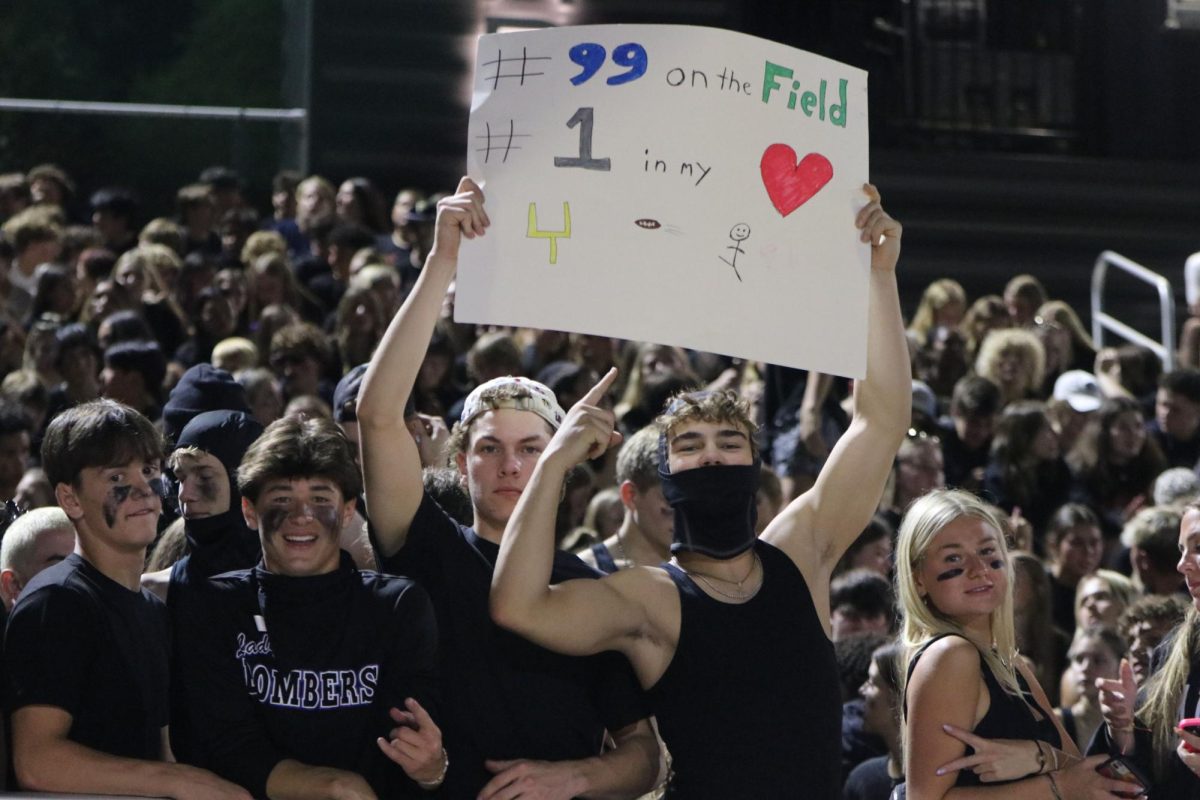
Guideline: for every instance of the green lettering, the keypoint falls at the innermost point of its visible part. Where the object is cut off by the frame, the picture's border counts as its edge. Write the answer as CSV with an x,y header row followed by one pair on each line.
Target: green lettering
x,y
807,101
772,72
837,113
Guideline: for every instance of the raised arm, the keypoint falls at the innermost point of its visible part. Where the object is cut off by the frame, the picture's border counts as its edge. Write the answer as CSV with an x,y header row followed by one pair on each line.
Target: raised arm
x,y
390,459
834,512
578,617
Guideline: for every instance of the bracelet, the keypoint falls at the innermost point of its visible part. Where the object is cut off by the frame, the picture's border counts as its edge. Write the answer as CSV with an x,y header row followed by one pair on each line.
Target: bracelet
x,y
1054,786
1041,757
436,782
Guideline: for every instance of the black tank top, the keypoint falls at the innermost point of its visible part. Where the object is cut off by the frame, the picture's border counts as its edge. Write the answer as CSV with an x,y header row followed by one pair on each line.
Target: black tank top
x,y
1007,717
750,706
604,559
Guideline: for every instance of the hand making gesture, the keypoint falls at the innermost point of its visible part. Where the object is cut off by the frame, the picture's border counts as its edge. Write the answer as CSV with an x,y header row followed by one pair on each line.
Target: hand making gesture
x,y
416,745
588,430
1117,700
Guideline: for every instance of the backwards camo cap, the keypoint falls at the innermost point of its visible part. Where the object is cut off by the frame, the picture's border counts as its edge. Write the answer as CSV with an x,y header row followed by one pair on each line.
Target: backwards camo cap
x,y
540,400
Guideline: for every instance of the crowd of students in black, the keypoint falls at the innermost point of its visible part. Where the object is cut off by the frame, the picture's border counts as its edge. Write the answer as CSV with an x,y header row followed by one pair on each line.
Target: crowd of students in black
x,y
234,344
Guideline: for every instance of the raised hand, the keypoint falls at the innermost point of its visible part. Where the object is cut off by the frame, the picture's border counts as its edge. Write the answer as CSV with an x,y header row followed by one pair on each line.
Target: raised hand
x,y
459,215
1117,700
880,230
416,744
588,430
994,759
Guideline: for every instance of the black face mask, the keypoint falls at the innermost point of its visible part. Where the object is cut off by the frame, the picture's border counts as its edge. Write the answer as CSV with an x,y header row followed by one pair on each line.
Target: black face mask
x,y
715,508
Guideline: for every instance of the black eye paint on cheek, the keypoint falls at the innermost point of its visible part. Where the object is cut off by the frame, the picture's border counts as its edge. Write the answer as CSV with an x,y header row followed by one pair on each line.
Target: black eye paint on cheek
x,y
997,564
161,486
272,520
112,501
950,574
329,518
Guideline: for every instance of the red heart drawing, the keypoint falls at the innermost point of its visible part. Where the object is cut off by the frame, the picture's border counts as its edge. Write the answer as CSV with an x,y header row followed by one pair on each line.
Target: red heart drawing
x,y
790,184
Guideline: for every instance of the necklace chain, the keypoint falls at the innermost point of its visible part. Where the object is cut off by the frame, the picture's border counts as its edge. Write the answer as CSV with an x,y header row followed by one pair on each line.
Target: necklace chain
x,y
742,594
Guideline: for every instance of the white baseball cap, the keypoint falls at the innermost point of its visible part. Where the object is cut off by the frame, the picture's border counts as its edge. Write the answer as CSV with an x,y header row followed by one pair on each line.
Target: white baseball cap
x,y
1079,389
539,399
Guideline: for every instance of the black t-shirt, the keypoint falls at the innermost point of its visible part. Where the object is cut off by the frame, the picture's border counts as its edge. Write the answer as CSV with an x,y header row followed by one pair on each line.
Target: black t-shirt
x,y
306,668
79,641
506,698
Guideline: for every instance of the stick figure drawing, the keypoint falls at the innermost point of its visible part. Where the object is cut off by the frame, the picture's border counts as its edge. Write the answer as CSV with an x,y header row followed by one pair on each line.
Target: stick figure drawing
x,y
738,233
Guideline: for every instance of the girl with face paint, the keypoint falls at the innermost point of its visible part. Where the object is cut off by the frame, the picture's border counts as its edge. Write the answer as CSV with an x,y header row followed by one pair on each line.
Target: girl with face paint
x,y
965,685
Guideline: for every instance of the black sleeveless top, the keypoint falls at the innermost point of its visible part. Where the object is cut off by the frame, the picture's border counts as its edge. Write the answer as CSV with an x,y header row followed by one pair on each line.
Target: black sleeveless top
x,y
1007,717
604,559
750,706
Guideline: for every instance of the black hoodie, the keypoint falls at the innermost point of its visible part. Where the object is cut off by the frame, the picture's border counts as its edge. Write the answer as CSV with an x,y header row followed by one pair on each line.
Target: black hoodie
x,y
215,545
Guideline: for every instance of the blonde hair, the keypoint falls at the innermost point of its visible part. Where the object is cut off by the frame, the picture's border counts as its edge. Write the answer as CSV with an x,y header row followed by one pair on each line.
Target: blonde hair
x,y
166,232
261,243
235,354
1123,588
996,343
152,259
21,537
1160,711
986,314
936,296
1064,316
923,521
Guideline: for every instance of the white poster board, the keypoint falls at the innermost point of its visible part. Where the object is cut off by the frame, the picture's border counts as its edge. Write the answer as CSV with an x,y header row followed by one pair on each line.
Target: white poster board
x,y
671,184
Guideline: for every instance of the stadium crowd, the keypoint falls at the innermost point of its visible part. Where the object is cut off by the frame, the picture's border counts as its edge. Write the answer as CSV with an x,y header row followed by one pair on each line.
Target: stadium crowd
x,y
257,480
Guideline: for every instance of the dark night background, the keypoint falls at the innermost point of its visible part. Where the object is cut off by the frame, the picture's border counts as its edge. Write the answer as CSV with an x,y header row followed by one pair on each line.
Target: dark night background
x,y
1015,136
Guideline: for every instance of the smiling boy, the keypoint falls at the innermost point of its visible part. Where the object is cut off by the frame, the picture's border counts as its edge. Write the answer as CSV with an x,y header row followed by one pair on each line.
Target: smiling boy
x,y
295,671
85,651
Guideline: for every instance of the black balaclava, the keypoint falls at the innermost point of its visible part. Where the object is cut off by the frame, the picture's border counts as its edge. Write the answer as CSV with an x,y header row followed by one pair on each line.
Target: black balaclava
x,y
202,388
222,542
715,506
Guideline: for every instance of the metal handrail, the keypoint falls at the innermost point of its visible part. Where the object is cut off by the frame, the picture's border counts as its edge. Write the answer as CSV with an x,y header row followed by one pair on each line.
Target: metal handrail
x,y
153,110
293,116
1165,350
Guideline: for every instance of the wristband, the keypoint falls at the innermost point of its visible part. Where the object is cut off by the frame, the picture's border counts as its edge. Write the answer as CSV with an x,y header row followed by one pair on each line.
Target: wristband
x,y
436,782
1041,757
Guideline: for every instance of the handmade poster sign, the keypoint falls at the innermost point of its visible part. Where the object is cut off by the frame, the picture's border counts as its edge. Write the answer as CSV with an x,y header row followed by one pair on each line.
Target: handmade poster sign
x,y
677,185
